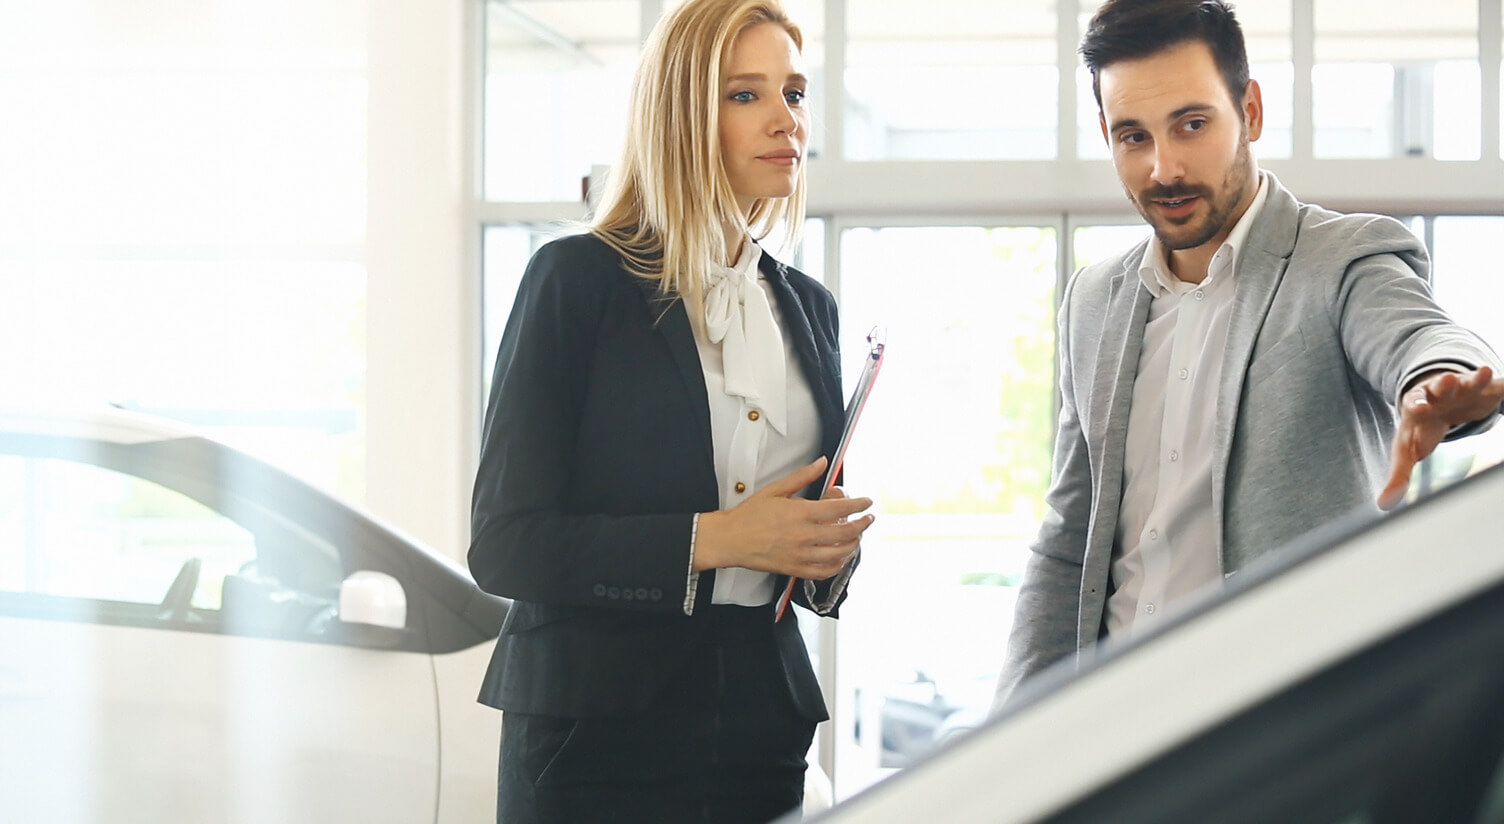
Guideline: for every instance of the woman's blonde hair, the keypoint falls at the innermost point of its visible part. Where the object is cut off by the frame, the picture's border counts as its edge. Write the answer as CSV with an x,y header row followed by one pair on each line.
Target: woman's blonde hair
x,y
667,200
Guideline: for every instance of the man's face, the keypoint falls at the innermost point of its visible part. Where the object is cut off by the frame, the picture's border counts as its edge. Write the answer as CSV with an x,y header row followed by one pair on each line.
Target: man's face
x,y
1180,144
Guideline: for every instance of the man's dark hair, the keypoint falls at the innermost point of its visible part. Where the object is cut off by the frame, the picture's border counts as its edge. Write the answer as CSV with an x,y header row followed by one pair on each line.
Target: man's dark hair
x,y
1132,29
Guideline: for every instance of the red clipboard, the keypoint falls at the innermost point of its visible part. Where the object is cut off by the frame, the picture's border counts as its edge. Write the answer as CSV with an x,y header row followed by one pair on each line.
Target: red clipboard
x,y
854,409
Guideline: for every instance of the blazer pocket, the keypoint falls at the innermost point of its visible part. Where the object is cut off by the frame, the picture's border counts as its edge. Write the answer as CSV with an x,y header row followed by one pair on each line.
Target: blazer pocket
x,y
1268,360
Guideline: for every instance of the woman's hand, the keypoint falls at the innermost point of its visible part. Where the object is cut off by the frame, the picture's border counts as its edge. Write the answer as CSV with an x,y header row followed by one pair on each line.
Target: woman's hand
x,y
776,531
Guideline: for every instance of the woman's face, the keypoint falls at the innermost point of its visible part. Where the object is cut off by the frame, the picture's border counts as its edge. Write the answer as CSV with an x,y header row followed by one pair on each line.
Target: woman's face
x,y
764,123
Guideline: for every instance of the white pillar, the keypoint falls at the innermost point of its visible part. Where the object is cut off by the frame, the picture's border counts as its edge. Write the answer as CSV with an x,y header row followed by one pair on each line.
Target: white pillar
x,y
422,359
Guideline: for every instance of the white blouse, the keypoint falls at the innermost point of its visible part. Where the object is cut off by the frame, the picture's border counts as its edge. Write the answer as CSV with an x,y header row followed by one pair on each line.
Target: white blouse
x,y
763,419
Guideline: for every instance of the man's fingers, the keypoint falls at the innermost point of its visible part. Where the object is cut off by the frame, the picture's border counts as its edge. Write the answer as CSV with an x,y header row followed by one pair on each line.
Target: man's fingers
x,y
1401,463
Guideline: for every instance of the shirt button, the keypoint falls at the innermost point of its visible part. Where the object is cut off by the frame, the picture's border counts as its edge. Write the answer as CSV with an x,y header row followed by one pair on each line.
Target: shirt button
x,y
753,415
1148,609
1185,373
740,487
1200,295
1153,534
1174,456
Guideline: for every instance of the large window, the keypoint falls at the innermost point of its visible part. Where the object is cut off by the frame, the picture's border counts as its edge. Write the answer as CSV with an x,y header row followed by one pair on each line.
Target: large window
x,y
1396,79
182,219
955,449
557,80
964,79
971,211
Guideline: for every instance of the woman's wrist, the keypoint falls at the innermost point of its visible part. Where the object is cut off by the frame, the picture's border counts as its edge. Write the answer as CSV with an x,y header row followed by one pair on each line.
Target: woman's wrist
x,y
707,549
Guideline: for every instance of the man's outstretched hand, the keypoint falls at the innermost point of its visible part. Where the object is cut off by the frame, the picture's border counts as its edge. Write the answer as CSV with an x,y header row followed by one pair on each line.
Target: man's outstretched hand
x,y
1428,409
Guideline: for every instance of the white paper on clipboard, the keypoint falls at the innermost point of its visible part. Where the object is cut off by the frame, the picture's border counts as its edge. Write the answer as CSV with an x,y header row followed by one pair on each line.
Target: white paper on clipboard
x,y
854,407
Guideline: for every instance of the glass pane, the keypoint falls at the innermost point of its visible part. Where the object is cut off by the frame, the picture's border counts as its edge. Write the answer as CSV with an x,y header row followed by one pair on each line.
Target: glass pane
x,y
182,218
78,531
810,258
955,450
1457,119
1096,243
964,80
1466,257
266,355
1353,109
504,259
558,80
1266,33
1386,81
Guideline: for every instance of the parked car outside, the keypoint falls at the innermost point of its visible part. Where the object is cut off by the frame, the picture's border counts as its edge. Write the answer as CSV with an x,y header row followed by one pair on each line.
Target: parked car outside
x,y
192,635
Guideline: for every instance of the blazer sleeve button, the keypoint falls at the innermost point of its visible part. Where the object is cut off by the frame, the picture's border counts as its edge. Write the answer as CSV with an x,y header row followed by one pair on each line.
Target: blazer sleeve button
x,y
599,590
613,593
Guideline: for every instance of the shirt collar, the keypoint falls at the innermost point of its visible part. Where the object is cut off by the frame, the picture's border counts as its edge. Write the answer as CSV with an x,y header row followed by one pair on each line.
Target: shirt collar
x,y
1155,270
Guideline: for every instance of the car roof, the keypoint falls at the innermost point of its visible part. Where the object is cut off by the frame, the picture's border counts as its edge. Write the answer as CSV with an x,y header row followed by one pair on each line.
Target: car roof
x,y
1362,580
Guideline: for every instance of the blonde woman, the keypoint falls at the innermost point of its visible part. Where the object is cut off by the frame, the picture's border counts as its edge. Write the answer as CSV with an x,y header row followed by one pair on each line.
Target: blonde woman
x,y
664,395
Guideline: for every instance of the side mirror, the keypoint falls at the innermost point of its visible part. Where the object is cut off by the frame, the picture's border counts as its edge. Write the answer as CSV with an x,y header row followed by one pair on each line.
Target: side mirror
x,y
373,599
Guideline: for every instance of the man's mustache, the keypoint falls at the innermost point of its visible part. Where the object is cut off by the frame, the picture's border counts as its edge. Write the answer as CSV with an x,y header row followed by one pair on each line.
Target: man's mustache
x,y
1176,192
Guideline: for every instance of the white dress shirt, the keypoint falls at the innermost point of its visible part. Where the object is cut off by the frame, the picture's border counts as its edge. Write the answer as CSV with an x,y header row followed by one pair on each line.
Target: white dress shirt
x,y
763,419
1166,546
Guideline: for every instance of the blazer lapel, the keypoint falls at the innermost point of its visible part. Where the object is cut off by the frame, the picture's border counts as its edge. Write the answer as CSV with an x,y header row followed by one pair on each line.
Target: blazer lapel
x,y
1261,269
672,322
821,375
1122,338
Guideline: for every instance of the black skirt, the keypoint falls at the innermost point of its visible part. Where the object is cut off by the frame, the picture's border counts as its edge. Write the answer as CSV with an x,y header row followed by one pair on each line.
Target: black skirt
x,y
723,743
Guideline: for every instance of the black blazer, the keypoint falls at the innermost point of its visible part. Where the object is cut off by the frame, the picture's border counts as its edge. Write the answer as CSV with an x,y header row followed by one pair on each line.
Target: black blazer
x,y
596,454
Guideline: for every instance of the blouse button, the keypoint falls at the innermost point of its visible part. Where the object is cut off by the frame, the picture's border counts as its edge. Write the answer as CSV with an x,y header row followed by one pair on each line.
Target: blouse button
x,y
753,415
740,487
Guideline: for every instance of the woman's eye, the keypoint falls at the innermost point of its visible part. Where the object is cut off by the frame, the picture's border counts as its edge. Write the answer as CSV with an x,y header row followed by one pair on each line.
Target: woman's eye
x,y
794,95
743,97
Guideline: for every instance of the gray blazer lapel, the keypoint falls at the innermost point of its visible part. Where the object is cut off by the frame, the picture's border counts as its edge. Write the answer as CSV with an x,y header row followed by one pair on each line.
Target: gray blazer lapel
x,y
1261,269
1122,338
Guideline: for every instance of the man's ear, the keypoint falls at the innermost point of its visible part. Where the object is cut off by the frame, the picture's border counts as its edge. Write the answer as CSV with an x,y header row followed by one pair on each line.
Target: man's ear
x,y
1253,109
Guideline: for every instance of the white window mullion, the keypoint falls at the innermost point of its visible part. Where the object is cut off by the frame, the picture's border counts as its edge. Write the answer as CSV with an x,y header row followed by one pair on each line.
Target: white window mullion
x,y
1067,38
835,85
1490,33
1303,55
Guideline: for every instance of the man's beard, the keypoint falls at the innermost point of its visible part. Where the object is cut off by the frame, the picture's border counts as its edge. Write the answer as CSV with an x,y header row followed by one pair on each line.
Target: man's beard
x,y
1219,214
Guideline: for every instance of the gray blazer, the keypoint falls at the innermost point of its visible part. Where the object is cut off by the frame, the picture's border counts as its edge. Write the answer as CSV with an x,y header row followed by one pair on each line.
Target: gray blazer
x,y
1332,317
